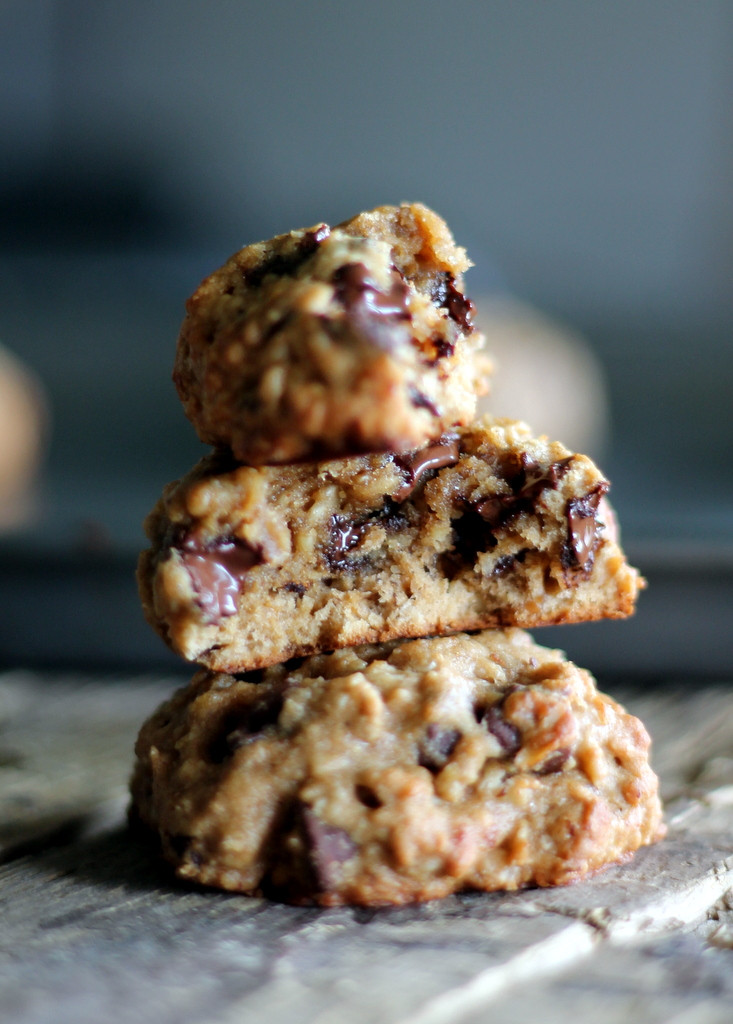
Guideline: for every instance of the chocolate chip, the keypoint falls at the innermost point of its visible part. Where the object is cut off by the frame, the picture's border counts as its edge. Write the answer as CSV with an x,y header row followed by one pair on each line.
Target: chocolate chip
x,y
554,763
584,529
415,465
217,570
436,746
460,309
295,588
421,401
508,735
328,847
247,723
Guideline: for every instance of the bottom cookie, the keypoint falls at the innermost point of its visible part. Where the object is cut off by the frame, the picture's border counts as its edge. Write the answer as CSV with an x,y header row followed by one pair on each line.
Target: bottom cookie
x,y
397,772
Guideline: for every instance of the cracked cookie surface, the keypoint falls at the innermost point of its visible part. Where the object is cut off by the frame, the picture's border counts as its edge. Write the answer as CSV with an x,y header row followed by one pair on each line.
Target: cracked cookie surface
x,y
333,341
489,526
397,772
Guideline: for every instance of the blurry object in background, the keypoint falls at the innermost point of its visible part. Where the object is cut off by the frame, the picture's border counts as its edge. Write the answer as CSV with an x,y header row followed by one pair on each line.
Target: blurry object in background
x,y
545,374
23,421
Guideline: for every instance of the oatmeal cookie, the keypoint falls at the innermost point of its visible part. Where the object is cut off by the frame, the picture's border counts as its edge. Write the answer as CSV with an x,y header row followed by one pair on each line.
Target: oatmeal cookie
x,y
490,526
333,341
397,772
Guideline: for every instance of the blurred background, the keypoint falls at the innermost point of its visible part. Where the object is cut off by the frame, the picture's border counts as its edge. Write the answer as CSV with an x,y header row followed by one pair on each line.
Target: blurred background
x,y
582,152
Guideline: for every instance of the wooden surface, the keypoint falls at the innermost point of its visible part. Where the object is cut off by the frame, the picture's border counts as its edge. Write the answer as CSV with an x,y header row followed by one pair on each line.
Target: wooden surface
x,y
93,929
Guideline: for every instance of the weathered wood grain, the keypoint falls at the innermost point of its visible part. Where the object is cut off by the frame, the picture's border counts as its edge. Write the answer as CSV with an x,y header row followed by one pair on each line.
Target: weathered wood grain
x,y
92,928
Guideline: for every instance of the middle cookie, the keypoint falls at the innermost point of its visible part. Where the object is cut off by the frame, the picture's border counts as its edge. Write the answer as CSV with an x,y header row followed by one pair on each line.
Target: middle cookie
x,y
487,527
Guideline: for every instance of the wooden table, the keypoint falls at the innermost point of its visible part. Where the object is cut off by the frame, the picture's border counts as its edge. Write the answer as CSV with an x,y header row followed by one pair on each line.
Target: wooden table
x,y
93,930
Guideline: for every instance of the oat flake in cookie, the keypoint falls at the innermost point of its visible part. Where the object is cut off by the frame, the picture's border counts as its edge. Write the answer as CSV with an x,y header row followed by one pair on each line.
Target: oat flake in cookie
x,y
333,341
490,526
397,772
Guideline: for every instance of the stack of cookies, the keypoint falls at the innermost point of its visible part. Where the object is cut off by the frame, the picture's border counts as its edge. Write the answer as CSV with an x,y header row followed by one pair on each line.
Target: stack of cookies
x,y
353,565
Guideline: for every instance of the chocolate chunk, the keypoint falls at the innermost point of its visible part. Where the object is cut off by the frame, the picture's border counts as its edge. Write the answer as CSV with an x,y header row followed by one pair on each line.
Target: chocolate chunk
x,y
460,309
328,847
527,483
217,569
436,746
312,239
376,315
356,288
295,588
421,401
243,725
508,735
554,763
584,529
345,533
344,536
444,452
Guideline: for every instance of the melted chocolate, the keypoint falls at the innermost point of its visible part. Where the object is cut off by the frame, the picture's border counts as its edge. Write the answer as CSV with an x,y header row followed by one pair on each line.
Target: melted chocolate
x,y
216,572
376,315
444,452
356,288
460,309
584,529
497,511
345,534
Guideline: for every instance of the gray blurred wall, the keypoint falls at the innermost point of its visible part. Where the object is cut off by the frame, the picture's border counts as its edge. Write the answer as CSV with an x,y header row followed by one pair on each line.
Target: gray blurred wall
x,y
582,148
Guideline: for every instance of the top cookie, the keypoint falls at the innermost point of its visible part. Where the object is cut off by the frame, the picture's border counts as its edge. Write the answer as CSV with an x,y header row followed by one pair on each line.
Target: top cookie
x,y
333,341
